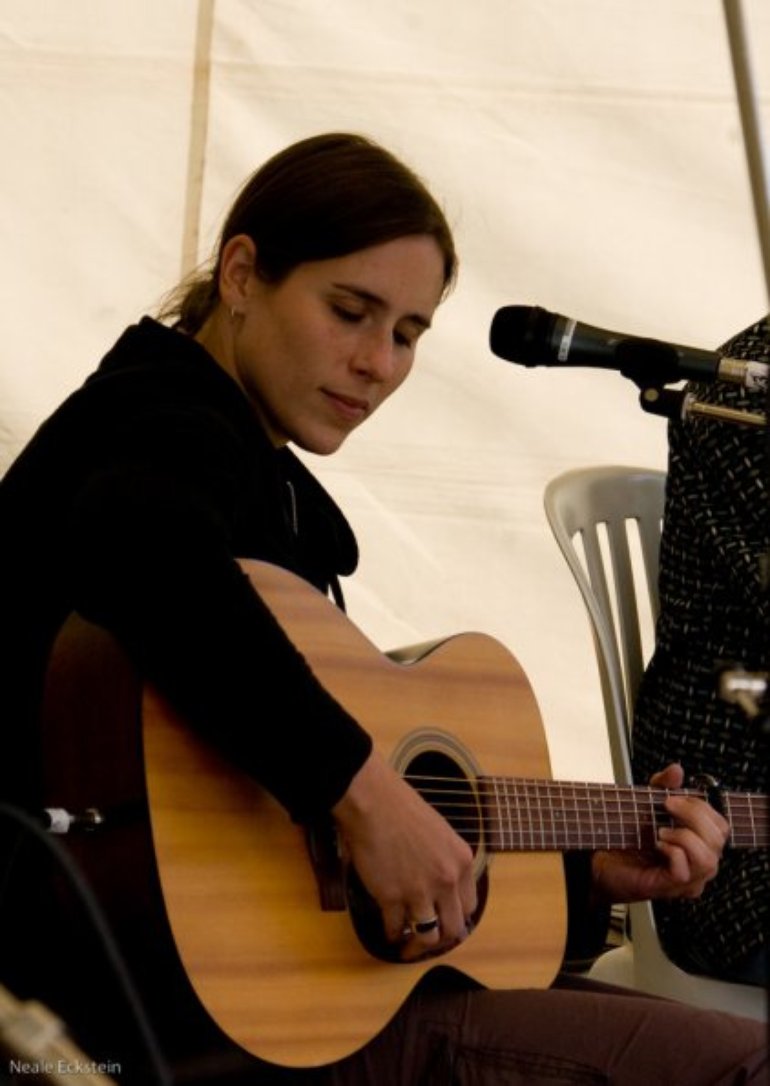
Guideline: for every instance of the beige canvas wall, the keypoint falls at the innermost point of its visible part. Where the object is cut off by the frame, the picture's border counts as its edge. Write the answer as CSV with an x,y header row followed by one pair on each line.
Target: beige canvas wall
x,y
590,156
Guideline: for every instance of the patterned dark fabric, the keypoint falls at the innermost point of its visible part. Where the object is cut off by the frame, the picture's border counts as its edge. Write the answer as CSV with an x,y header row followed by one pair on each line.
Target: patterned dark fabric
x,y
715,608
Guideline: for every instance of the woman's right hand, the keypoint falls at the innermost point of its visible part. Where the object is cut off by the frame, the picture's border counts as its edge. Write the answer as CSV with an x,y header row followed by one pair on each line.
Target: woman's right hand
x,y
408,857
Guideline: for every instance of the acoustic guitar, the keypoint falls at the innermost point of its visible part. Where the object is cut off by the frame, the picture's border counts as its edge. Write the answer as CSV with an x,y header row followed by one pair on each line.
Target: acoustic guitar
x,y
278,940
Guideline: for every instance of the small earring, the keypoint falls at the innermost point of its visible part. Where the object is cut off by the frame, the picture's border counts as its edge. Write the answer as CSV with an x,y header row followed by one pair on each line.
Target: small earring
x,y
233,313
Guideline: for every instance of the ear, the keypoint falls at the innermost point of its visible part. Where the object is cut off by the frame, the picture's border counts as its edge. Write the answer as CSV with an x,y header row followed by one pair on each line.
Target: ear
x,y
236,267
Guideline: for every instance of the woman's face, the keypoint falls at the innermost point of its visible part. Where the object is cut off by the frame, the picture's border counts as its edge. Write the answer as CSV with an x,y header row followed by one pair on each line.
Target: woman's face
x,y
318,353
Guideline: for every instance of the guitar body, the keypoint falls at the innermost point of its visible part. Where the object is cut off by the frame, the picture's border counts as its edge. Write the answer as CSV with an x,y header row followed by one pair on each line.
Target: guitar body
x,y
93,758
205,875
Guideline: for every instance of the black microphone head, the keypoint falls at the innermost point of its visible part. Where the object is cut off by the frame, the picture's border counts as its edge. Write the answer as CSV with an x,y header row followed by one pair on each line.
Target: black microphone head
x,y
521,333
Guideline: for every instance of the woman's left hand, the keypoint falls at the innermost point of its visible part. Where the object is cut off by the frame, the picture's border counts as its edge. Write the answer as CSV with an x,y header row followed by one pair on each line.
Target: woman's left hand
x,y
686,855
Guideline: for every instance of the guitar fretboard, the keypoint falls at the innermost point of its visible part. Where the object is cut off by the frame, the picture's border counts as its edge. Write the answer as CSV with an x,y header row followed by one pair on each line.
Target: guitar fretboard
x,y
521,815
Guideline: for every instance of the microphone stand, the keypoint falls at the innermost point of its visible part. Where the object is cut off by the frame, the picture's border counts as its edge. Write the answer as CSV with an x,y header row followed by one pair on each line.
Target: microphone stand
x,y
650,366
679,404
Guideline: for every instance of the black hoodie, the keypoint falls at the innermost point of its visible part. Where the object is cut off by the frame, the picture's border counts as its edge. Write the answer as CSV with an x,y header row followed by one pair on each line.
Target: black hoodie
x,y
130,506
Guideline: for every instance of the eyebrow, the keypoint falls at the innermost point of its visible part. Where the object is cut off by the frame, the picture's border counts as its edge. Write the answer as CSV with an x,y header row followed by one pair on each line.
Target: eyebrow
x,y
376,300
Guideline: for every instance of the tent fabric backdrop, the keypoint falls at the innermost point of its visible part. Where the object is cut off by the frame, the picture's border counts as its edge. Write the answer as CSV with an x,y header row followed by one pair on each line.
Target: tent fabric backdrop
x,y
590,158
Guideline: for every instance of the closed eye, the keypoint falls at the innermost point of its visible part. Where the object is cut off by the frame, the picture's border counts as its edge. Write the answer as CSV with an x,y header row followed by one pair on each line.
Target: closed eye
x,y
350,316
407,332
351,313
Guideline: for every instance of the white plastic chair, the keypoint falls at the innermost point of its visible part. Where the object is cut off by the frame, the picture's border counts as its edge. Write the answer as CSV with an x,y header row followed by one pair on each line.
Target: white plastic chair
x,y
617,513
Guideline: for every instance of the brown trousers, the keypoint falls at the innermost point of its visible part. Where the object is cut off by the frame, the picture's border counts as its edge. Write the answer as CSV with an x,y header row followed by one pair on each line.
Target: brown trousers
x,y
576,1032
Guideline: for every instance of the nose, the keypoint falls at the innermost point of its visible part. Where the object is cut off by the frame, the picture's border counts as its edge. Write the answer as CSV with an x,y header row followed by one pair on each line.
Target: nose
x,y
376,355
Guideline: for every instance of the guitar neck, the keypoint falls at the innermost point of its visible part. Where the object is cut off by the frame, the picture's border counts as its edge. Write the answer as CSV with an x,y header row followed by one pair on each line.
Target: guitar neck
x,y
536,815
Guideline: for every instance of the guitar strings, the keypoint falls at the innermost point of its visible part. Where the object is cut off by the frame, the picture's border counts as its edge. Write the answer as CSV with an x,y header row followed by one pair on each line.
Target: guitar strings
x,y
581,814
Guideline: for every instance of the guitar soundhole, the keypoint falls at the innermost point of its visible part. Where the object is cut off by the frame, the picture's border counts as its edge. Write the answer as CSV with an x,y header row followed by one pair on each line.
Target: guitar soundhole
x,y
445,785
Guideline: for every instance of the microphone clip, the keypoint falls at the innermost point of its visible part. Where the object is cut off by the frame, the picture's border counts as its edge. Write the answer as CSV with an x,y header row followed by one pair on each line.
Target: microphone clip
x,y
681,405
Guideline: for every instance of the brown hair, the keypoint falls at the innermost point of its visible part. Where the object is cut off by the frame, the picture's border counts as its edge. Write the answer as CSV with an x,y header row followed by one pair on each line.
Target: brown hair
x,y
323,197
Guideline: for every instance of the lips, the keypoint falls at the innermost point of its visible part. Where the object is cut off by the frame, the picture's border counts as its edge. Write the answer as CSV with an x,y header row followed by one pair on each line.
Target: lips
x,y
351,407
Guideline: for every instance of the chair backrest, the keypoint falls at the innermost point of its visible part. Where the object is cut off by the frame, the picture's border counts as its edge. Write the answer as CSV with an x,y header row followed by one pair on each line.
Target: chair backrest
x,y
617,513
605,507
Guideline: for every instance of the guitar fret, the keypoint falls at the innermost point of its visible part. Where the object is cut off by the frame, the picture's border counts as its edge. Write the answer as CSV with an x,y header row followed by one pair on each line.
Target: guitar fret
x,y
747,814
507,810
600,834
545,811
525,820
730,815
579,824
565,828
520,820
751,818
501,789
619,809
602,795
560,813
643,826
637,820
492,819
540,817
565,820
528,808
509,821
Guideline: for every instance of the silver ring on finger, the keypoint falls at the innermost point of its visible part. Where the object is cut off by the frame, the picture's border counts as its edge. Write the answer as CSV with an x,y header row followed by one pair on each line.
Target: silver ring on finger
x,y
421,927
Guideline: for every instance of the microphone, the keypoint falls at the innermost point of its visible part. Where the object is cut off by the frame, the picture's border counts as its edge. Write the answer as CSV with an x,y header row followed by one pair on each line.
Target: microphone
x,y
531,336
